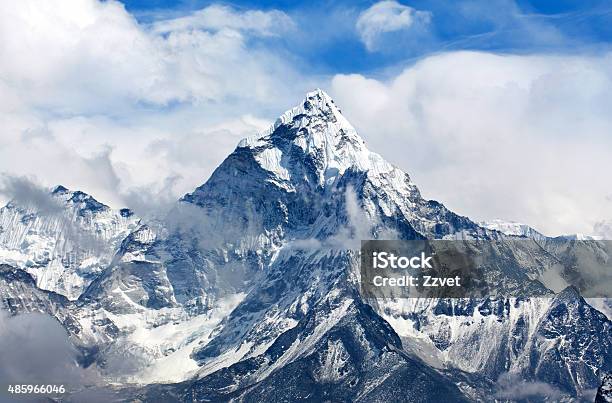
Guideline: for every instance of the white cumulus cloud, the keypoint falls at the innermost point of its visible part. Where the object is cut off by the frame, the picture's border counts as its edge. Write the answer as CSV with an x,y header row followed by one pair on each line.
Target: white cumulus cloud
x,y
266,23
387,16
93,99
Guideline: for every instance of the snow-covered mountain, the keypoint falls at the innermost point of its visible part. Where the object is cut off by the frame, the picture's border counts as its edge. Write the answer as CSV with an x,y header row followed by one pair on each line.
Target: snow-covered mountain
x,y
66,246
249,290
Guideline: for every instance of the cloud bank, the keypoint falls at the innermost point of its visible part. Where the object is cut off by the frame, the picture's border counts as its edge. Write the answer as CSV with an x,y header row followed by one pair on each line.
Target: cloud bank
x,y
25,192
93,99
524,138
35,350
511,386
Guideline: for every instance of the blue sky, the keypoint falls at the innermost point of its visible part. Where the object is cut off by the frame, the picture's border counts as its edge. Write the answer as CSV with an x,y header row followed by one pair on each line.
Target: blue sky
x,y
326,41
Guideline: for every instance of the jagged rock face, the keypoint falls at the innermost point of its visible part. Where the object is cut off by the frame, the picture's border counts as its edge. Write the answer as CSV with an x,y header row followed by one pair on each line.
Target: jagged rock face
x,y
251,283
572,345
19,294
66,246
604,393
135,275
560,341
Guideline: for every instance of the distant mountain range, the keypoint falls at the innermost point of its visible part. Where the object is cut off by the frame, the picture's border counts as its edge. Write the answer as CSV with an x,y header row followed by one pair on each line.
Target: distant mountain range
x,y
248,289
524,230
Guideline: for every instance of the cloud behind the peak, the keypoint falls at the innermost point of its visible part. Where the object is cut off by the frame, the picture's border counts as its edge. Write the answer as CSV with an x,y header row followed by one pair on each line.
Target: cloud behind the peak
x,y
25,192
523,138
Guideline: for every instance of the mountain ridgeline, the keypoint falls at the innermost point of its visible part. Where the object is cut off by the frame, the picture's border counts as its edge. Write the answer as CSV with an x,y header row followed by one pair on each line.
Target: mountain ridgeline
x,y
249,288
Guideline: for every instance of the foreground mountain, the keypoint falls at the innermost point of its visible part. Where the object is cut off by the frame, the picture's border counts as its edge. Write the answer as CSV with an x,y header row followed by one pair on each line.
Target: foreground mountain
x,y
249,290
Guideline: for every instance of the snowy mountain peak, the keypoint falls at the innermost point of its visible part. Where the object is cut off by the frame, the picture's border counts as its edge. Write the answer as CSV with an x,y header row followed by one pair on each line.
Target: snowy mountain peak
x,y
319,101
315,132
316,108
59,189
83,202
77,200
